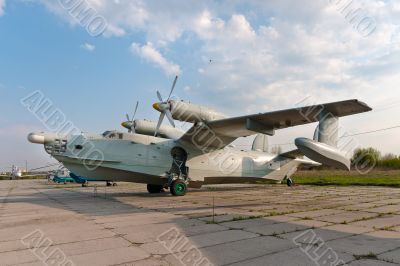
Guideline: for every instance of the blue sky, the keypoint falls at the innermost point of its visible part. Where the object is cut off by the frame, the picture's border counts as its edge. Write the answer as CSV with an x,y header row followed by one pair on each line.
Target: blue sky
x,y
265,55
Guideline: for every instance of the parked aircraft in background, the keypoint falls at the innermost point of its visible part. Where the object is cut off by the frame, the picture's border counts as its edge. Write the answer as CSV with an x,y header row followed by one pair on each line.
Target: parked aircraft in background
x,y
16,173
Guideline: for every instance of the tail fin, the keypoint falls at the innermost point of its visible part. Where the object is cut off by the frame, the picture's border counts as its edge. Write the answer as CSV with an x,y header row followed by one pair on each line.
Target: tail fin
x,y
323,148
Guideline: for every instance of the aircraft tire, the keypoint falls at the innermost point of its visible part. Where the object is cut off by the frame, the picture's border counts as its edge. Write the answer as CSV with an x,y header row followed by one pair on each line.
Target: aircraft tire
x,y
289,182
178,188
153,189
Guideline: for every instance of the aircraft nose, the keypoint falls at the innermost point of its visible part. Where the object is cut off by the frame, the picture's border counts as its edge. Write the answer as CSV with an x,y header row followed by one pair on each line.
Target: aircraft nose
x,y
36,138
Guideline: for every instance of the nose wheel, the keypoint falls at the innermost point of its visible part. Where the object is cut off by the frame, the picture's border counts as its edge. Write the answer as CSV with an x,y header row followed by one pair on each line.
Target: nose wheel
x,y
289,182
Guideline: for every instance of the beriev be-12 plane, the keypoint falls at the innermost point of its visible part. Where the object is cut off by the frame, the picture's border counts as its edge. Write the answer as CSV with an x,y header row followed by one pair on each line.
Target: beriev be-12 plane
x,y
165,157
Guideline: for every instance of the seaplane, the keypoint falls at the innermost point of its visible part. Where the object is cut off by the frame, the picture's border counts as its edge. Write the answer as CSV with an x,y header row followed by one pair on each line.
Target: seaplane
x,y
165,157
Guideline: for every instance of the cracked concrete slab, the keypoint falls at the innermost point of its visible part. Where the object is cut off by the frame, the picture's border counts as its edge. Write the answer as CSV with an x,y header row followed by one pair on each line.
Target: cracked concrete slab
x,y
123,225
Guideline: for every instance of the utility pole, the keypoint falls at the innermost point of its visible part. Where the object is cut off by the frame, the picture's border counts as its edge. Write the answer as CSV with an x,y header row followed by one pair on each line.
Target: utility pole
x,y
26,166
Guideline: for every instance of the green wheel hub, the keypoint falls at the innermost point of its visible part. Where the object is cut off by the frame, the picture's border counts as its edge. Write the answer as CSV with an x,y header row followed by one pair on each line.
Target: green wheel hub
x,y
178,188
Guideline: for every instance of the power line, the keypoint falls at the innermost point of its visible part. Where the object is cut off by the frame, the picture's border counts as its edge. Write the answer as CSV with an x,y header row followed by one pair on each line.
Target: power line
x,y
344,136
369,132
43,167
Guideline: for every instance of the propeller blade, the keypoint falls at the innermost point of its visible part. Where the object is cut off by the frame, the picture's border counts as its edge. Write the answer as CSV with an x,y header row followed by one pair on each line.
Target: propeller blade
x,y
159,96
127,117
162,115
173,87
169,116
134,114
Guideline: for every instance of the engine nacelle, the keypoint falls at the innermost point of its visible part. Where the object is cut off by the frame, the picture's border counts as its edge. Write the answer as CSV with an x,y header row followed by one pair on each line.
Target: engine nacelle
x,y
146,127
323,153
323,148
188,112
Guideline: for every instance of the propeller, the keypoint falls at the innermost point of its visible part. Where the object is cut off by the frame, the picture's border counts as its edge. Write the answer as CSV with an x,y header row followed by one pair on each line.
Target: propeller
x,y
164,107
130,123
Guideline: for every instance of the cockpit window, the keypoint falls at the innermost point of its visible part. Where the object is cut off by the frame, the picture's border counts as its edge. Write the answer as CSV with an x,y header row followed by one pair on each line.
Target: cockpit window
x,y
105,134
113,135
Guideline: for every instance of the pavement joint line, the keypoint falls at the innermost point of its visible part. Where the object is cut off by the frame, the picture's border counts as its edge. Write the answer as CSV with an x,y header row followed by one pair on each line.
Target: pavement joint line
x,y
4,201
294,248
376,259
232,211
229,242
398,248
59,244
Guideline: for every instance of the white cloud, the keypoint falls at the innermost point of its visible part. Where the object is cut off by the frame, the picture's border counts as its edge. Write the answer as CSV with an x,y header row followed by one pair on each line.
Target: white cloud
x,y
2,6
89,47
266,55
152,55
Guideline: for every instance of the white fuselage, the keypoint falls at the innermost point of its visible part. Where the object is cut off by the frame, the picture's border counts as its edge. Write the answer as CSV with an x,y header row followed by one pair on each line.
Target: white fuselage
x,y
145,159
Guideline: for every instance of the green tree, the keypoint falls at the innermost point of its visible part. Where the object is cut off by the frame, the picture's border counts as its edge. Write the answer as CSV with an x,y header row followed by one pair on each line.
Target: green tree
x,y
366,157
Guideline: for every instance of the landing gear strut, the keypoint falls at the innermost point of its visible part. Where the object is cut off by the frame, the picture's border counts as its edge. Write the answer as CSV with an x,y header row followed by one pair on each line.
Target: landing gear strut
x,y
178,176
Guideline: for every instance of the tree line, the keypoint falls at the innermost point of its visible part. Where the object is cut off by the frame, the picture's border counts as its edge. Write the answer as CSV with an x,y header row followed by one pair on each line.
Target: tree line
x,y
373,157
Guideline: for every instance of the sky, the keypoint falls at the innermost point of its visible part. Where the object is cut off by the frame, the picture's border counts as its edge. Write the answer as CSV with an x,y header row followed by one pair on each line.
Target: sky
x,y
93,59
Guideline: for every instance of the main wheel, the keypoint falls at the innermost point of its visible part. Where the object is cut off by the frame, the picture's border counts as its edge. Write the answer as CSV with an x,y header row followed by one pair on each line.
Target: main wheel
x,y
154,188
178,188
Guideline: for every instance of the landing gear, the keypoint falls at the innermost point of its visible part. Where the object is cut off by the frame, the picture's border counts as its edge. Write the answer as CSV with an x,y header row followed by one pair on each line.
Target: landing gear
x,y
178,187
153,189
178,176
289,182
86,184
111,184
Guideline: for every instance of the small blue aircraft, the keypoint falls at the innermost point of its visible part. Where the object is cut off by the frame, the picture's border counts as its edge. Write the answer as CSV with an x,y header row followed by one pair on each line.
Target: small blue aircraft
x,y
85,180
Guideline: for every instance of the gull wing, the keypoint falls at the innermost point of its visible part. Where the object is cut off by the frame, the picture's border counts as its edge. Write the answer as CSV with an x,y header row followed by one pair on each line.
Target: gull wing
x,y
220,133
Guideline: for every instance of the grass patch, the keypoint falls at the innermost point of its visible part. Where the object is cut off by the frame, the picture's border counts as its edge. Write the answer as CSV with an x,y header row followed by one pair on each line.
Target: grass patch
x,y
212,222
371,256
389,178
24,178
244,218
